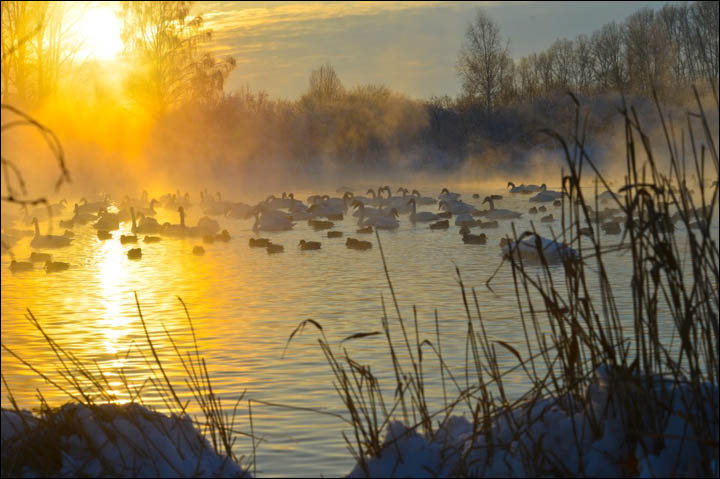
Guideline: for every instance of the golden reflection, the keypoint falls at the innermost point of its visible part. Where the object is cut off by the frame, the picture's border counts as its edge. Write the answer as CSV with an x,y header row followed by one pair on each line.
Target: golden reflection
x,y
112,274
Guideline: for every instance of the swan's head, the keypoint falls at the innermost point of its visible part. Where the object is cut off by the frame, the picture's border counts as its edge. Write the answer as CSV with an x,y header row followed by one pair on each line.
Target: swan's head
x,y
356,204
63,202
511,184
444,191
291,196
181,210
416,192
271,197
370,191
348,196
302,242
443,205
543,187
284,195
394,212
487,200
411,201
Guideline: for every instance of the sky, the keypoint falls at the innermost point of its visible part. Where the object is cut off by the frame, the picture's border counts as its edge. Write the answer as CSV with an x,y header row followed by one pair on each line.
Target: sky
x,y
407,46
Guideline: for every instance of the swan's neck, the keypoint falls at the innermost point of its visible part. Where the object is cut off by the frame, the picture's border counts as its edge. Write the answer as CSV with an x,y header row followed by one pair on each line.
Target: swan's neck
x,y
37,228
492,204
134,224
182,219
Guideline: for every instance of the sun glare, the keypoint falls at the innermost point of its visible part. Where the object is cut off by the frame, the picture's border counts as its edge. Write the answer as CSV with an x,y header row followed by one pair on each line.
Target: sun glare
x,y
99,32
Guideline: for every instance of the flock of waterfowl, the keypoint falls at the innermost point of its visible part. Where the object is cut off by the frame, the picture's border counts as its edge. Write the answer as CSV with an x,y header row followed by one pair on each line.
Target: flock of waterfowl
x,y
380,210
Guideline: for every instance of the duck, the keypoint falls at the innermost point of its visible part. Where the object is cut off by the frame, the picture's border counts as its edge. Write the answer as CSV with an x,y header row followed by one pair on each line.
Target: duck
x,y
40,257
488,224
533,210
55,266
547,219
423,216
274,248
309,245
124,239
611,228
532,245
440,225
542,209
319,225
20,266
557,203
134,253
48,241
334,234
444,215
474,239
500,214
223,236
104,235
198,250
151,239
356,244
259,242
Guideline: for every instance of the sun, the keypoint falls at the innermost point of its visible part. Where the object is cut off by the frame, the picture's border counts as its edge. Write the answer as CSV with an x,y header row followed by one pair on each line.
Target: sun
x,y
99,33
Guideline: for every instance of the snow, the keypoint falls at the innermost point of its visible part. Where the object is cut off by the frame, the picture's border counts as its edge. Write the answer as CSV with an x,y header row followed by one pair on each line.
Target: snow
x,y
554,437
111,440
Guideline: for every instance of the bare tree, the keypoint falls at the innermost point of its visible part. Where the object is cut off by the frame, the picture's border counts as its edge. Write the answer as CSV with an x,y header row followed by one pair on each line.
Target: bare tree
x,y
608,53
325,85
483,61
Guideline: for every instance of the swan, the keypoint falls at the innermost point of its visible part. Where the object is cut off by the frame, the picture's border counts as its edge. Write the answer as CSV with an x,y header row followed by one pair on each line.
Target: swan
x,y
269,220
523,189
309,245
239,211
146,225
66,223
362,210
20,266
175,230
81,218
500,214
465,219
545,195
533,245
149,211
446,195
421,217
456,207
423,200
107,221
55,266
85,207
383,222
205,226
48,241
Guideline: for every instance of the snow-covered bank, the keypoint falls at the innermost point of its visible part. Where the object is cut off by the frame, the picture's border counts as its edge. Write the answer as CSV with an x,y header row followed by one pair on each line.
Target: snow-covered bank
x,y
556,437
108,440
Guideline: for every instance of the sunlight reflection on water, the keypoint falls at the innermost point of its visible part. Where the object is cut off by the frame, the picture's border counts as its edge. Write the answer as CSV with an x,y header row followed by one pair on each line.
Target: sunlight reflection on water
x,y
245,304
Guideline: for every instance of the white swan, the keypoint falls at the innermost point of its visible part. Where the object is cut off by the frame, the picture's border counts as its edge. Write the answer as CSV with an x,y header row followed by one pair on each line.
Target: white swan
x,y
48,241
421,217
446,195
423,200
456,207
523,189
529,250
175,230
271,220
382,222
499,214
545,195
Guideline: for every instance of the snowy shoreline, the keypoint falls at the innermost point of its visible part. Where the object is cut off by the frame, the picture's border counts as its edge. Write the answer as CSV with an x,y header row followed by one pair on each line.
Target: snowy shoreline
x,y
548,437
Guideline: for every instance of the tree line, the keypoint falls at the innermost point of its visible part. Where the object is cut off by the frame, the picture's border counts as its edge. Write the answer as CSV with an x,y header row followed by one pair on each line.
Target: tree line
x,y
666,49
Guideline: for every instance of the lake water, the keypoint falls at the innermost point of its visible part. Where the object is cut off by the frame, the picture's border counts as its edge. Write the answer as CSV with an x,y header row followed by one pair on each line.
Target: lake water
x,y
245,303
